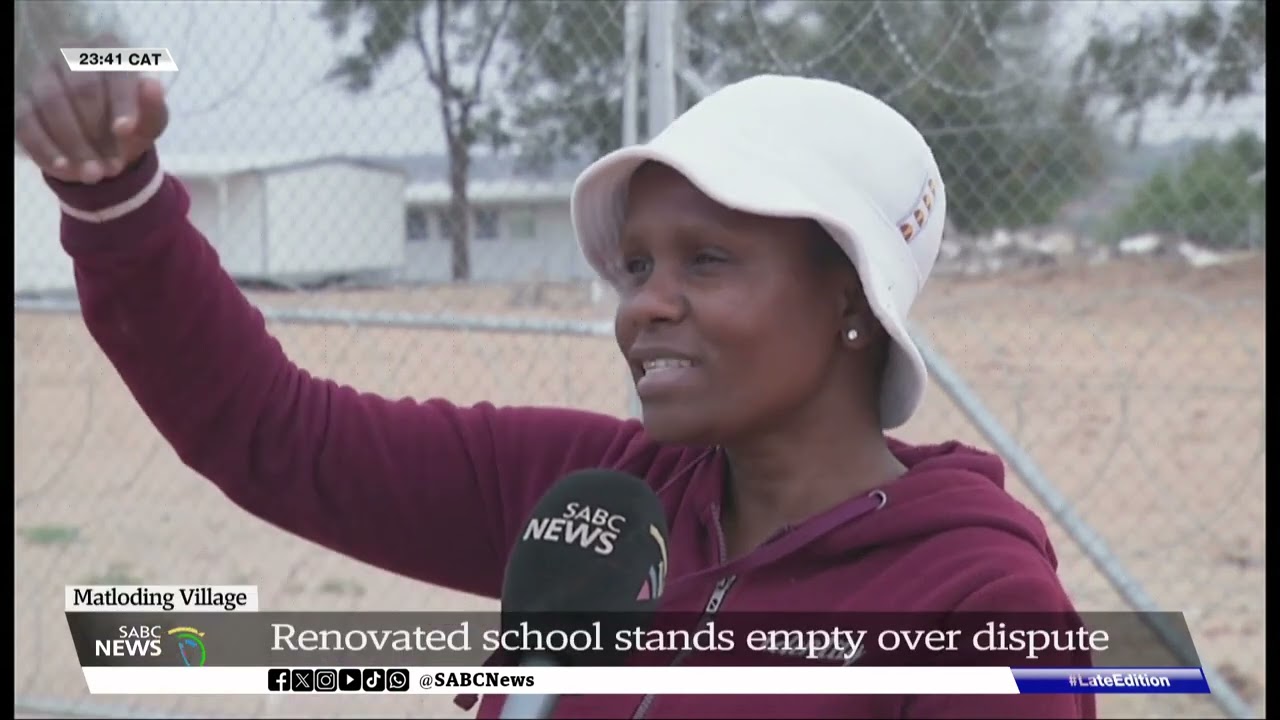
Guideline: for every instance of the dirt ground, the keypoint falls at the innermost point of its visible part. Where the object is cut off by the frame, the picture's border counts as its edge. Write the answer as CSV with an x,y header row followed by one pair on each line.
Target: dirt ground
x,y
1136,388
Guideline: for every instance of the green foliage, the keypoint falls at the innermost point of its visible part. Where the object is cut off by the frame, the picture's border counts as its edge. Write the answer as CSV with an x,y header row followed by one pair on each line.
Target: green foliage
x,y
50,534
1013,126
453,39
390,24
568,86
1210,198
1217,53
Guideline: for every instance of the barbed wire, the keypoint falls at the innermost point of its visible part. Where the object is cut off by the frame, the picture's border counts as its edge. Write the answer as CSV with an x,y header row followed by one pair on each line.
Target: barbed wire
x,y
240,97
925,75
1007,64
799,68
187,33
921,73
239,94
255,67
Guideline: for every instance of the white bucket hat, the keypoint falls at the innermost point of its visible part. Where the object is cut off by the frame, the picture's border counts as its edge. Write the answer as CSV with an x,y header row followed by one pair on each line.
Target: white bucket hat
x,y
784,146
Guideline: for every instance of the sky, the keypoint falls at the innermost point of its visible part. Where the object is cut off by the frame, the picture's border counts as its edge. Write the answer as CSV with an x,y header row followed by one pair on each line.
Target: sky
x,y
250,80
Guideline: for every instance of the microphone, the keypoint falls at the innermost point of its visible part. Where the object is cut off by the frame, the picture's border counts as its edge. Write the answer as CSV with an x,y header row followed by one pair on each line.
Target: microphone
x,y
594,545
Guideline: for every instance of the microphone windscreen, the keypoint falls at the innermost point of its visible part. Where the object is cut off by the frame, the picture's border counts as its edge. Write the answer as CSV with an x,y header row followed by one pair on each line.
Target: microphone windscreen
x,y
595,543
591,562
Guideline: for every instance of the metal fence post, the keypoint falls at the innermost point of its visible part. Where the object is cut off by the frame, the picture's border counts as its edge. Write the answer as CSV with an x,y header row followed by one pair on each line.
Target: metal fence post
x,y
1094,547
661,82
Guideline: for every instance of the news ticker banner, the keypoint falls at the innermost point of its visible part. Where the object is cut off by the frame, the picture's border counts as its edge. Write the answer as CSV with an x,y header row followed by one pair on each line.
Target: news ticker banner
x,y
180,639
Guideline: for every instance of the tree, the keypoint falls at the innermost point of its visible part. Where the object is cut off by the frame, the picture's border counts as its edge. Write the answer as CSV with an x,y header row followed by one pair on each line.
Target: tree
x,y
1013,147
570,84
1213,197
455,41
39,27
1216,53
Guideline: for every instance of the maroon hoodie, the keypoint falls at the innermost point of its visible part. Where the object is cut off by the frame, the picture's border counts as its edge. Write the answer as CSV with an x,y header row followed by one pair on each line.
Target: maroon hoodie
x,y
381,479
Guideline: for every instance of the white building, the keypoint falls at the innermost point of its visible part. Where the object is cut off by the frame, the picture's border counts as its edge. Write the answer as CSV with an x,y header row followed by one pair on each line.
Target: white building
x,y
296,219
520,231
520,225
273,219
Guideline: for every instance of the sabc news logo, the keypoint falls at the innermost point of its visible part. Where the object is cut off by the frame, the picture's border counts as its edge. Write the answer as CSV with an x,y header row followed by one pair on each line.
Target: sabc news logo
x,y
152,641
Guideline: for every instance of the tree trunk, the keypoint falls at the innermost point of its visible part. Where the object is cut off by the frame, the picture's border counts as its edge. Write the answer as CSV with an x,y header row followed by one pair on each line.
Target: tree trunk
x,y
459,210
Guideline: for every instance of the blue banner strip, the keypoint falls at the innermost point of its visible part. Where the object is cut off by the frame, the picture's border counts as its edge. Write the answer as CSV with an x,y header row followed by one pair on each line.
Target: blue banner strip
x,y
1089,681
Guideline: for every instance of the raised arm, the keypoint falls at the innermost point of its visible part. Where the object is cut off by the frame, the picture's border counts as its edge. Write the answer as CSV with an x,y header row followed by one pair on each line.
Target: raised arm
x,y
385,481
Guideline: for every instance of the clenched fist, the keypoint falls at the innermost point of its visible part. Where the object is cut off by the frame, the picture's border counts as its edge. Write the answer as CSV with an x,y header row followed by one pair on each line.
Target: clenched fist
x,y
85,127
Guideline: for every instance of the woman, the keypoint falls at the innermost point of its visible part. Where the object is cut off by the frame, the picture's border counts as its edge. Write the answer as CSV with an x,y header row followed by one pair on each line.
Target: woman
x,y
765,248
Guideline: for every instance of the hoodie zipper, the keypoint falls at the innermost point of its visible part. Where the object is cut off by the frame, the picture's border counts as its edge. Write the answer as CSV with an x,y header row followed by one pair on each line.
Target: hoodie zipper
x,y
714,603
872,502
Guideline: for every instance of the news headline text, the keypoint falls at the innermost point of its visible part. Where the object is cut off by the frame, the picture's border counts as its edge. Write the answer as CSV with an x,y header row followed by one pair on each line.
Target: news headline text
x,y
830,643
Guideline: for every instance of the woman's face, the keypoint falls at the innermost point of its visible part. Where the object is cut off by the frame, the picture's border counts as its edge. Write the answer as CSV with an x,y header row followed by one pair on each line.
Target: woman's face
x,y
728,323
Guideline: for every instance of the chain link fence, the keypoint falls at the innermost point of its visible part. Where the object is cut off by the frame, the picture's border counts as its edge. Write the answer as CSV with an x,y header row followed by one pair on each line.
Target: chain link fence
x,y
1098,310
1097,314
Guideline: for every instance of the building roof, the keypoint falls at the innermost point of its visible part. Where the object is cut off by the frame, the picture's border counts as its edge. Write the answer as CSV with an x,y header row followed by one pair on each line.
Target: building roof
x,y
216,165
513,190
491,178
433,167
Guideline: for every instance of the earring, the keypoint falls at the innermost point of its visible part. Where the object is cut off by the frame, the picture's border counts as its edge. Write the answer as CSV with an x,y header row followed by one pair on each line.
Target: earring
x,y
851,334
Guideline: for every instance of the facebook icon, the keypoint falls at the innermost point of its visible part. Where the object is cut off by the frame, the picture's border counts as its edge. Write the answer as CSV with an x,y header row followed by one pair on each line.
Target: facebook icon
x,y
278,679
